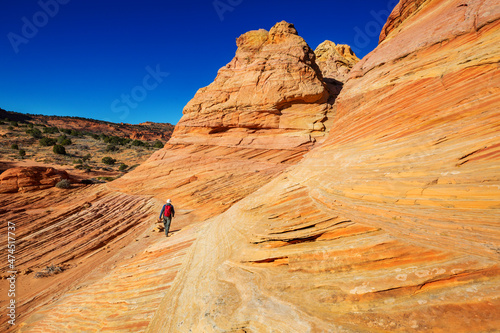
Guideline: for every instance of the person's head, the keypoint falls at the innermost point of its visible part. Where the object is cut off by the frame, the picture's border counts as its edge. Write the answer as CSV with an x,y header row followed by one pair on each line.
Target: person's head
x,y
169,201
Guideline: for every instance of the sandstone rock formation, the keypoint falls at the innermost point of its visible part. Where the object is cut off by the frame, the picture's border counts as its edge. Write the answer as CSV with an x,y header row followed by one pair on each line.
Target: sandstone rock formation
x,y
335,62
391,224
262,113
24,179
219,154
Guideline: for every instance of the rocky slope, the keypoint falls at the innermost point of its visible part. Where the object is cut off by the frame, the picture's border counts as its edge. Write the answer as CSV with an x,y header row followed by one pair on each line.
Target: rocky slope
x,y
144,131
391,224
220,153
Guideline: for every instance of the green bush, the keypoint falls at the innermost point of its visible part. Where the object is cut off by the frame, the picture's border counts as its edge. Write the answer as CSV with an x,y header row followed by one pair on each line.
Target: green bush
x,y
51,130
64,184
78,161
14,146
86,157
30,125
35,132
10,128
111,148
76,133
95,136
123,167
22,152
116,140
158,144
14,123
108,160
63,140
138,143
58,149
46,142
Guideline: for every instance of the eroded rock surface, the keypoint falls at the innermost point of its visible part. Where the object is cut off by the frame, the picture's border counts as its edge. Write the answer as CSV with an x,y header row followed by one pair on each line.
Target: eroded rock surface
x,y
391,224
25,179
335,62
221,151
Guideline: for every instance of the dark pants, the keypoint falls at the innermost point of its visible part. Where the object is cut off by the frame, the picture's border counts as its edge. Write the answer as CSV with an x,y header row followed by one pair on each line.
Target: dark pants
x,y
166,223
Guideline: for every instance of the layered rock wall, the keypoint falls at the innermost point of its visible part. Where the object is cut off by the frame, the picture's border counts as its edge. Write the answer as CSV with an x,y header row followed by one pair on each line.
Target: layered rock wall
x,y
391,224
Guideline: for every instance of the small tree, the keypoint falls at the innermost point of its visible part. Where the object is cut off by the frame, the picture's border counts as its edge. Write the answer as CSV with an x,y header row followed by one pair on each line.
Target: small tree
x,y
35,132
86,157
46,142
158,144
123,167
14,146
10,128
51,130
138,143
63,140
108,160
111,148
22,152
58,149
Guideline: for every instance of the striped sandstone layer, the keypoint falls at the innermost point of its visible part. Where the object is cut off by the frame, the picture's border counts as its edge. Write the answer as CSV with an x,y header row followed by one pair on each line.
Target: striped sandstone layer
x,y
219,153
393,223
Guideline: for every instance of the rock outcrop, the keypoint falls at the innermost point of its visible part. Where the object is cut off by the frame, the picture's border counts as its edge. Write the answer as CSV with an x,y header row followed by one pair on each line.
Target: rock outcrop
x,y
25,179
263,112
335,63
391,224
222,151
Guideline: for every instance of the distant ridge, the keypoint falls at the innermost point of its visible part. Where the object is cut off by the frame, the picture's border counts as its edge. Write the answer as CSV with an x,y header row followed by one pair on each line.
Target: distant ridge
x,y
144,131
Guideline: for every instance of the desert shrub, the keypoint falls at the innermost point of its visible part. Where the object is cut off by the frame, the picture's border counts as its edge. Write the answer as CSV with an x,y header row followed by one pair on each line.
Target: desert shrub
x,y
51,130
49,271
95,136
64,184
111,148
10,128
63,140
76,133
30,125
116,140
158,144
78,161
22,152
108,179
138,143
123,167
58,149
14,123
14,146
65,130
86,157
46,142
108,160
34,132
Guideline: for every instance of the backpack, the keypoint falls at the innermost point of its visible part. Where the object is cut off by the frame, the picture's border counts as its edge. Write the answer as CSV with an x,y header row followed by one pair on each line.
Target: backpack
x,y
168,211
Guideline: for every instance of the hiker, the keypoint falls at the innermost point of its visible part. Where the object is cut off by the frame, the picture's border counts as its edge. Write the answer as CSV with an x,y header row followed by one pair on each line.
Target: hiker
x,y
167,212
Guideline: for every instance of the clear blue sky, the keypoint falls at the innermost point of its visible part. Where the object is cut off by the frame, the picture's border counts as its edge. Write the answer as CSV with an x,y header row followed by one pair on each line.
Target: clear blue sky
x,y
135,61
